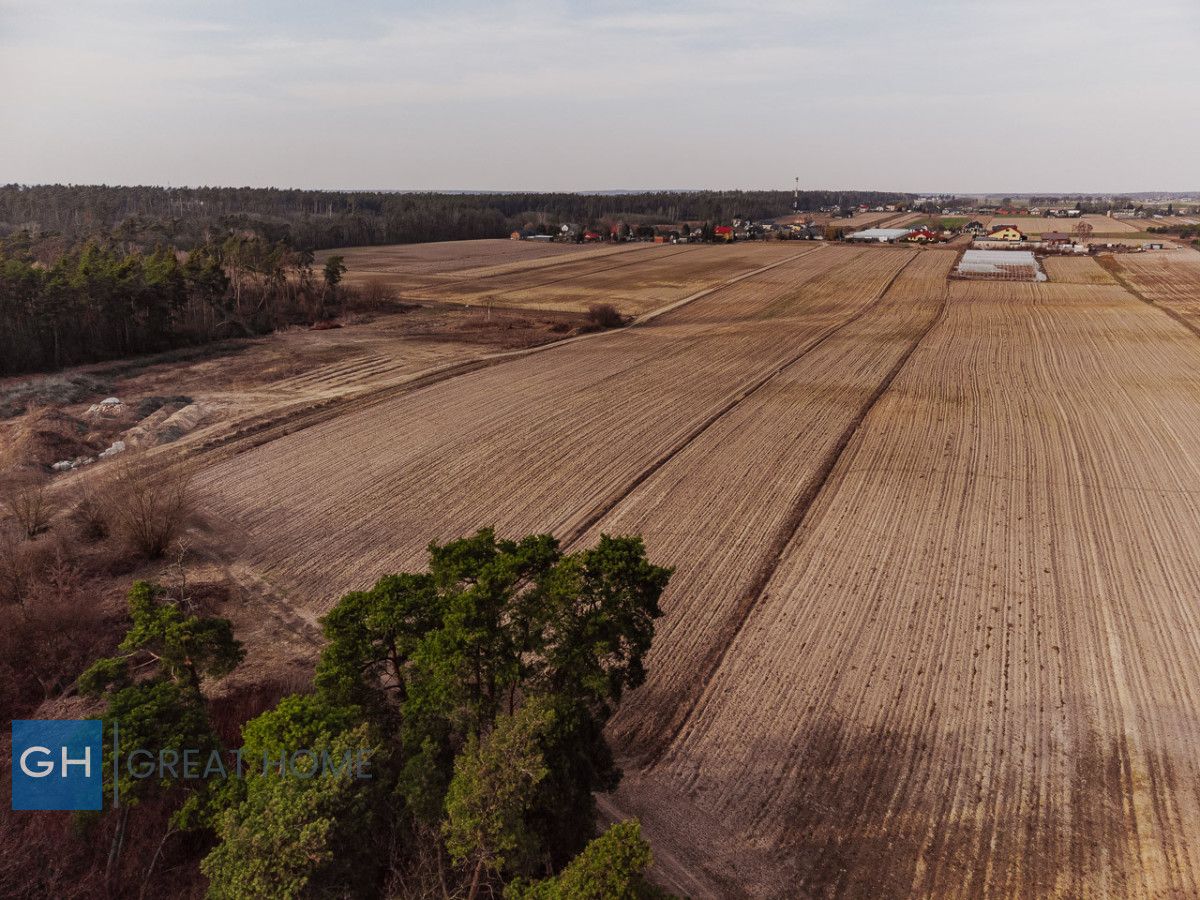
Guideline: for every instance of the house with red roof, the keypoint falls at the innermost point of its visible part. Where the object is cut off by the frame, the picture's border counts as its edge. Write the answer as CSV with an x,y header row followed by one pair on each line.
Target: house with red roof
x,y
922,236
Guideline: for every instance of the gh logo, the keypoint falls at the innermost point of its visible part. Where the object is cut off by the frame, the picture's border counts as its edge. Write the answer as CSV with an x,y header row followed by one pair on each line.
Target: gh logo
x,y
56,764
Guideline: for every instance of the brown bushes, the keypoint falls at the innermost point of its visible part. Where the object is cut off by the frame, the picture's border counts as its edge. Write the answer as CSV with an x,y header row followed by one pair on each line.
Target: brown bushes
x,y
51,626
605,315
142,504
25,503
371,296
53,854
53,620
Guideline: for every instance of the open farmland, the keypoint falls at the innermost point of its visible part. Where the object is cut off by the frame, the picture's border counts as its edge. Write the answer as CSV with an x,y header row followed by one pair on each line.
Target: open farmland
x,y
633,277
865,219
1075,270
1036,225
1169,221
635,281
443,257
932,630
633,399
974,669
402,266
1169,279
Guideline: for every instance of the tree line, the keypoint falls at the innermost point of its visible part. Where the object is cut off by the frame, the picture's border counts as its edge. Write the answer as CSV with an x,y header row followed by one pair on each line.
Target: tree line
x,y
188,217
100,301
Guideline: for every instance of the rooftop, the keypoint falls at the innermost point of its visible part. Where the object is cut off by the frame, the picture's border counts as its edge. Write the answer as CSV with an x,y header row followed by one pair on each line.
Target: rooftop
x,y
1007,265
879,234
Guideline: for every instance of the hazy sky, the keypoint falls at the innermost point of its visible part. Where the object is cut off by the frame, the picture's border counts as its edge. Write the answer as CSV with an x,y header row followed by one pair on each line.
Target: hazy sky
x,y
914,95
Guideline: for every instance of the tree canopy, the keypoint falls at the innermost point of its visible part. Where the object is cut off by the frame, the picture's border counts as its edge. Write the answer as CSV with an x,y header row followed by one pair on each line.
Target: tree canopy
x,y
483,684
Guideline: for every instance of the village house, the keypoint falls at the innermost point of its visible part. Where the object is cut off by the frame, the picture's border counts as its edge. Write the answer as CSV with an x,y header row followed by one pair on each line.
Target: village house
x,y
1006,233
921,236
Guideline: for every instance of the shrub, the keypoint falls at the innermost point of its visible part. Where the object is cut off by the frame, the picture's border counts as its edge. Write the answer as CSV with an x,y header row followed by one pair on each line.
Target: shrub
x,y
89,513
24,499
146,504
605,315
50,634
372,296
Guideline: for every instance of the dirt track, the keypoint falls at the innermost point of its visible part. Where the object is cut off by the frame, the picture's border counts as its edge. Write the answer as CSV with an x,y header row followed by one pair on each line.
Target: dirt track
x,y
934,628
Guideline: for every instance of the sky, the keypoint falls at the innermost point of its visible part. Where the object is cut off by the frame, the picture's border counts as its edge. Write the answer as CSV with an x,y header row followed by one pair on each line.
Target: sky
x,y
906,95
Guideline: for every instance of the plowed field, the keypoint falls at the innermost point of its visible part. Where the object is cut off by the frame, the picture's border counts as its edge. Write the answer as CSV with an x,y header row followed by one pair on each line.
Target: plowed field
x,y
934,629
1075,270
1035,225
633,277
1168,278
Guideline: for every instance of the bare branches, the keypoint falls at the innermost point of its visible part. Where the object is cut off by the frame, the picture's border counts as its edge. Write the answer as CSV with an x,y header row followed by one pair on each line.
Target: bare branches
x,y
25,502
146,504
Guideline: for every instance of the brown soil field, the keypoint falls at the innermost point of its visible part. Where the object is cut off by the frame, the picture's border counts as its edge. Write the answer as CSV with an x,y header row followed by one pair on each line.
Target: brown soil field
x,y
974,670
933,629
264,384
1170,279
1035,225
635,278
443,257
1164,222
634,284
901,219
866,220
631,397
1075,270
405,266
931,632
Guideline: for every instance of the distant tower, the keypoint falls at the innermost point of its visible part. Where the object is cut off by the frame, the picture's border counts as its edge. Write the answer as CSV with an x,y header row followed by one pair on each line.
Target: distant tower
x,y
796,196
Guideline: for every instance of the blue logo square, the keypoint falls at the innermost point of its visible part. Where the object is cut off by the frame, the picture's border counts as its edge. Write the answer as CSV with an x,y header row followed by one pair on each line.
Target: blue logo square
x,y
57,764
